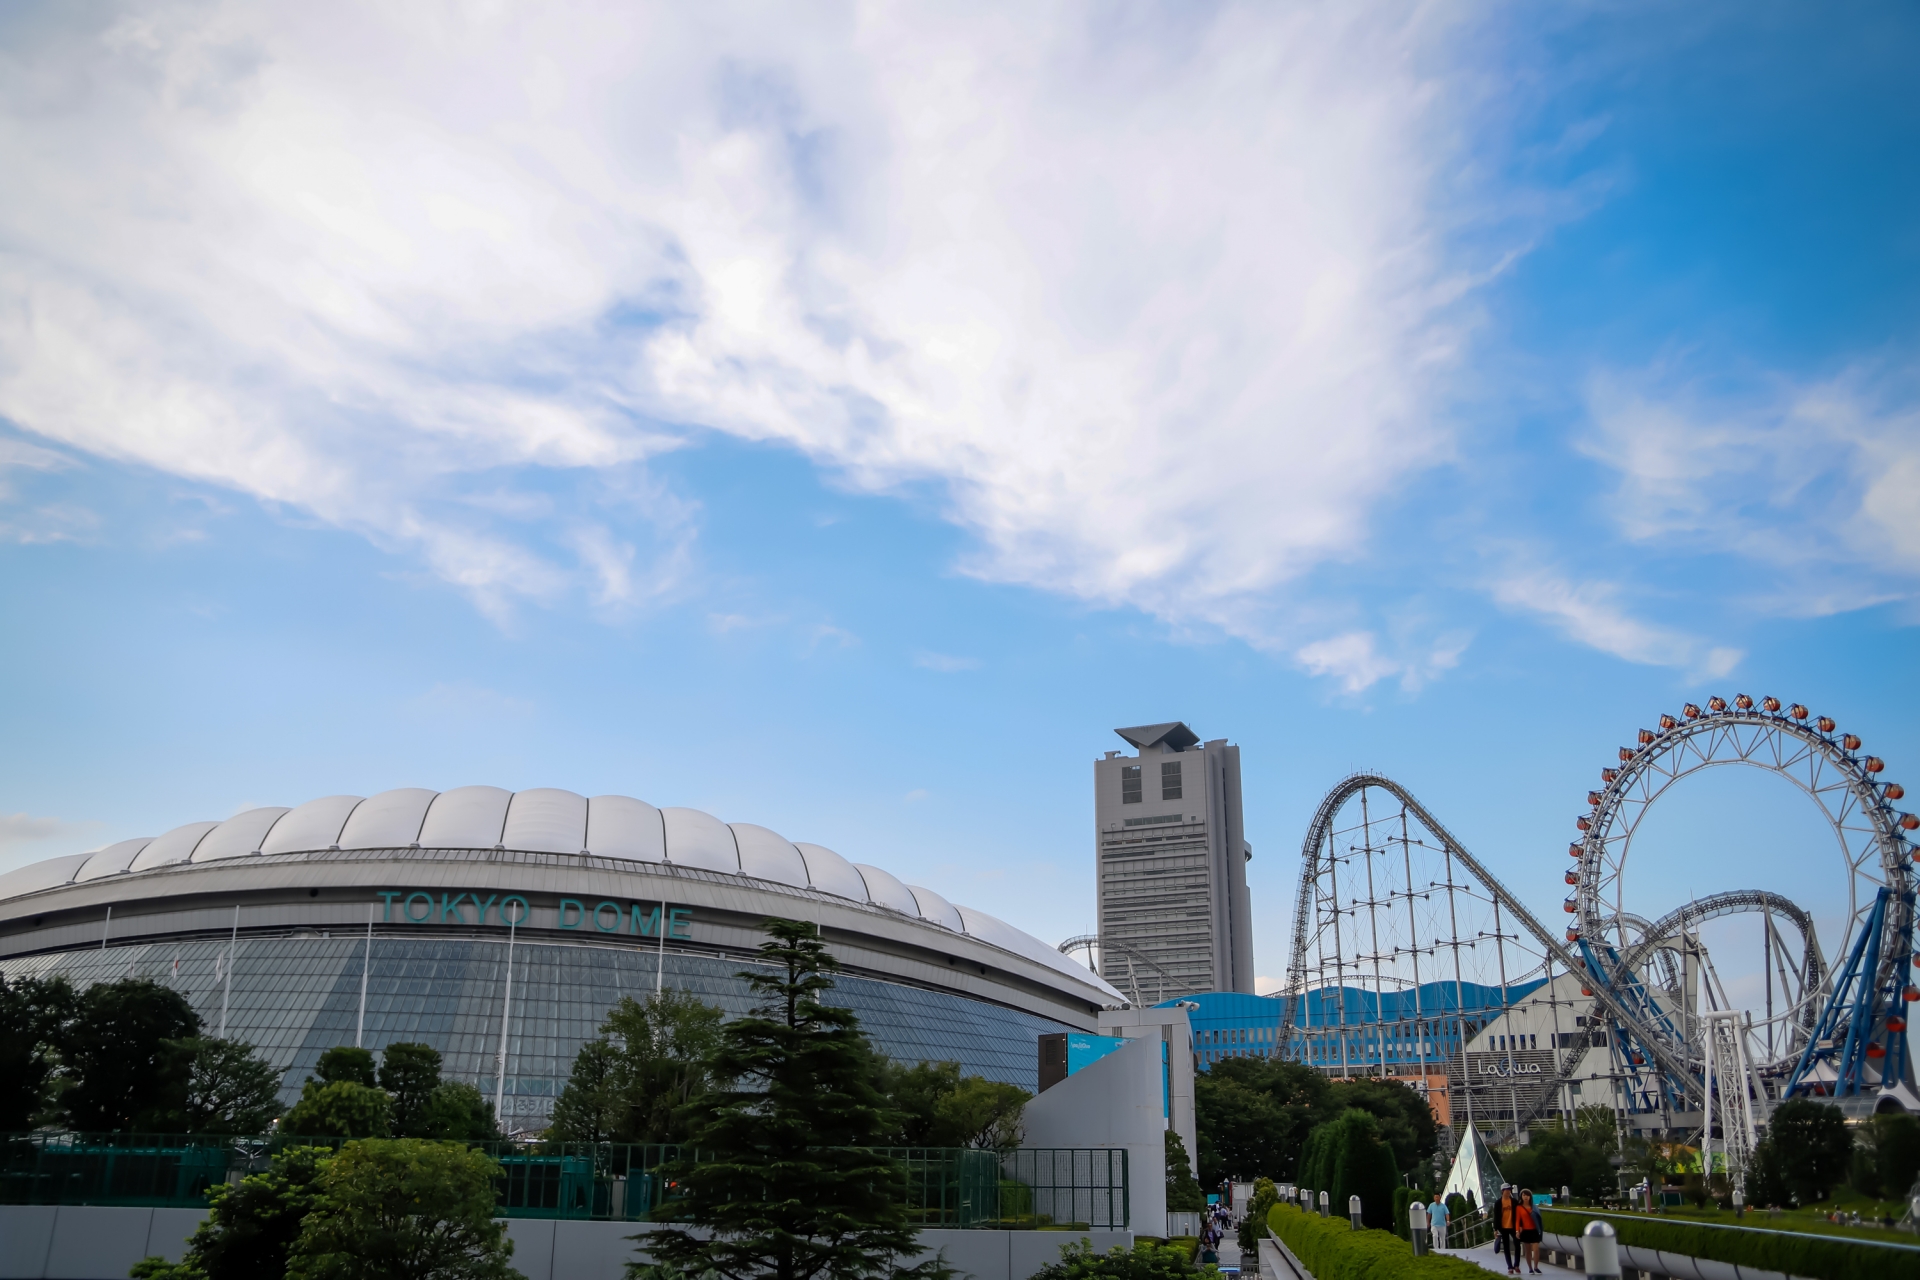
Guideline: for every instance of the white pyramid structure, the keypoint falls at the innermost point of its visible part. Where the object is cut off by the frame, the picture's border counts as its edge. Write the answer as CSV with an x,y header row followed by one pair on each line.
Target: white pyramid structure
x,y
1475,1171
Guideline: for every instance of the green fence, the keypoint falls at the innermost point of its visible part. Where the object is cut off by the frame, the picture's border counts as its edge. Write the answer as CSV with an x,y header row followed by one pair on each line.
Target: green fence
x,y
942,1187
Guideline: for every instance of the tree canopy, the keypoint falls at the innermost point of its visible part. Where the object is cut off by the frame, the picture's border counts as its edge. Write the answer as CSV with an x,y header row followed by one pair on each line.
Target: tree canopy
x,y
789,1185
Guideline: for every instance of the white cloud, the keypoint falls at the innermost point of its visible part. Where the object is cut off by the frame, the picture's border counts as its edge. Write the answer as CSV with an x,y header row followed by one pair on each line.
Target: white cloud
x,y
1355,659
1819,482
1160,298
1265,986
1591,613
944,662
22,828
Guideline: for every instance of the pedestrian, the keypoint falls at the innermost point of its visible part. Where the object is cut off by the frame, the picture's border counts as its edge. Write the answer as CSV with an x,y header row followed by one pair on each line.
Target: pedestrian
x,y
1527,1221
1437,1222
1503,1228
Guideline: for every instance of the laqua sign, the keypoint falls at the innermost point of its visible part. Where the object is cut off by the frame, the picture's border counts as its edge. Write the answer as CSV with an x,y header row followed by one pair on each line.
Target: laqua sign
x,y
642,920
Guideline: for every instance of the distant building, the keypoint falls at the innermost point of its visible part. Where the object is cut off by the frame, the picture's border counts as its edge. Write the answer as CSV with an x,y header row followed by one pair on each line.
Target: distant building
x,y
1174,913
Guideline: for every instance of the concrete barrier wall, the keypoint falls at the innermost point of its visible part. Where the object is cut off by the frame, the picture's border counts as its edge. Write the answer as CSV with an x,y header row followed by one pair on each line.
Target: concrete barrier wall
x,y
99,1242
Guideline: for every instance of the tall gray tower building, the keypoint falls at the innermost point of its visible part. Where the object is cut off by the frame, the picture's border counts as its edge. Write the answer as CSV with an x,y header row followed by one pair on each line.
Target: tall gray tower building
x,y
1175,918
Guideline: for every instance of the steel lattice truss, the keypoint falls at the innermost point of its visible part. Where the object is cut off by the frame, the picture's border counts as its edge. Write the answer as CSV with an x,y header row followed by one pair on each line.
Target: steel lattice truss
x,y
1828,1048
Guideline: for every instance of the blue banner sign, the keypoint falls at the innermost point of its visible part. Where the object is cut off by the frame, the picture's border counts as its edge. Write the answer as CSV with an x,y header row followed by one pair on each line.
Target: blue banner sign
x,y
606,916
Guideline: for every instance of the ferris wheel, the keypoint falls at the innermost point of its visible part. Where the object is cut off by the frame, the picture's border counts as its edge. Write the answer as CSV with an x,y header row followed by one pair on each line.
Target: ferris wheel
x,y
1840,1029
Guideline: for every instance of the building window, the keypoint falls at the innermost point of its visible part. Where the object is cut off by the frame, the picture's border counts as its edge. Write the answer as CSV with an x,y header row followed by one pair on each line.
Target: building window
x,y
1170,780
1129,784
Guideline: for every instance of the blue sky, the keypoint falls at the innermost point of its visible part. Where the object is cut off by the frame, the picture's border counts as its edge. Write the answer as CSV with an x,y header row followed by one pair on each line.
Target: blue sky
x,y
844,426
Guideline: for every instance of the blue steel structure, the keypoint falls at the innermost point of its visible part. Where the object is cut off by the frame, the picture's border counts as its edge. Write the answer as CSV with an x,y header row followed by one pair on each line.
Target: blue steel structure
x,y
1351,1029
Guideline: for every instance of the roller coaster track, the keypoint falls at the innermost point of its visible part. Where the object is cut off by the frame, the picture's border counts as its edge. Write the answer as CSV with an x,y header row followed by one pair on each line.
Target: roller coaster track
x,y
1089,942
1655,1042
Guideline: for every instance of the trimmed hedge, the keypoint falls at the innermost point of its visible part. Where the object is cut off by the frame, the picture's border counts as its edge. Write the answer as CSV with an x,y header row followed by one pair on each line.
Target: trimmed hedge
x,y
1818,1257
1332,1250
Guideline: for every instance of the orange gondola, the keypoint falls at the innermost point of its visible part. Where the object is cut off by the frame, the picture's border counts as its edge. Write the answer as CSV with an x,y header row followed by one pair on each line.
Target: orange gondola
x,y
1851,742
1716,705
1769,703
1825,723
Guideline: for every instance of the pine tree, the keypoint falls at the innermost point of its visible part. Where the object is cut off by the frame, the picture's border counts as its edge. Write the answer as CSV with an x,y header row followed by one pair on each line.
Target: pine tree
x,y
789,1186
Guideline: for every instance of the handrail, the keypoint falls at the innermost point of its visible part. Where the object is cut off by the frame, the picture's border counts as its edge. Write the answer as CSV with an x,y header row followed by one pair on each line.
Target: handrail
x,y
1728,1226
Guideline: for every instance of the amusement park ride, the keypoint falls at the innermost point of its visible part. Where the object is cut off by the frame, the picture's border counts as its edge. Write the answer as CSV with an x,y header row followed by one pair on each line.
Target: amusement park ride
x,y
1394,914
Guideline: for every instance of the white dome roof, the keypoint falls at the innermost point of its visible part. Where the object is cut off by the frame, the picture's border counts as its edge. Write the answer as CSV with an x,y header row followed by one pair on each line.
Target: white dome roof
x,y
542,820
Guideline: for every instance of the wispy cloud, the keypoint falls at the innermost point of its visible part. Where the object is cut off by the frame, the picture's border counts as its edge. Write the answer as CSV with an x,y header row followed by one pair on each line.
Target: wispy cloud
x,y
1817,482
20,831
944,662
1356,661
1160,302
1592,614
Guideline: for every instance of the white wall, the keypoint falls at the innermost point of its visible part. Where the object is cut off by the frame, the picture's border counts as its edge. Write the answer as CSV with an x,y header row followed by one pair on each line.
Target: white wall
x,y
1175,1029
89,1242
1114,1103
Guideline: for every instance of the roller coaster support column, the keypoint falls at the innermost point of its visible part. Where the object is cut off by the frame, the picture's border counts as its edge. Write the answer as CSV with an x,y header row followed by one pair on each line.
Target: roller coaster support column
x,y
1873,1004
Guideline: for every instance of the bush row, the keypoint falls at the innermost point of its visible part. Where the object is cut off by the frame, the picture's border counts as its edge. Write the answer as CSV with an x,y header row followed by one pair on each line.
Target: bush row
x,y
1796,1253
1332,1250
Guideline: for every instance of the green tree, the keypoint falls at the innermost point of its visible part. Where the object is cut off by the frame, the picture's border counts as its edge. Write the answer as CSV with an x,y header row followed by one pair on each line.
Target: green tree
x,y
1406,1121
1896,1152
410,1072
1183,1190
1348,1156
789,1186
125,1075
1253,1227
230,1087
1767,1184
1147,1260
341,1109
459,1112
936,1106
403,1209
665,1044
1814,1147
347,1062
34,1017
249,1228
593,1104
1254,1115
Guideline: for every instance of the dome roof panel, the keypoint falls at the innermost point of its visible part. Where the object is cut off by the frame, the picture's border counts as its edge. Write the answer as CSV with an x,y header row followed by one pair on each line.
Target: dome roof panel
x,y
768,855
175,846
885,891
697,839
390,820
828,872
1003,935
622,827
546,820
239,835
313,825
936,908
112,860
35,876
465,818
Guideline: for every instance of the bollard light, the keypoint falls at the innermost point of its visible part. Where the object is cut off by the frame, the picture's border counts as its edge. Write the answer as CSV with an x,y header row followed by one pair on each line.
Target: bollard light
x,y
1323,1204
1566,1196
1600,1249
1739,1203
1353,1211
1417,1225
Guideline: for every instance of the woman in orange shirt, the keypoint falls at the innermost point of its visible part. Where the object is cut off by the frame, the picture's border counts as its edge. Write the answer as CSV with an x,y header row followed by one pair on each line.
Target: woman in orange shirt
x,y
1526,1222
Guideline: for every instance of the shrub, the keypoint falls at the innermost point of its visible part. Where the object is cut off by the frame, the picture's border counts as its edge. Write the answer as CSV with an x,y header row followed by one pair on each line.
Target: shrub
x,y
1796,1253
1145,1261
1331,1249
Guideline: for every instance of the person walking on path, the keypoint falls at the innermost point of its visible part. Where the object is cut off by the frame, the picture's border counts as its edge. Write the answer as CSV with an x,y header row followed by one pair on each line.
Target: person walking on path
x,y
1504,1241
1437,1222
1527,1228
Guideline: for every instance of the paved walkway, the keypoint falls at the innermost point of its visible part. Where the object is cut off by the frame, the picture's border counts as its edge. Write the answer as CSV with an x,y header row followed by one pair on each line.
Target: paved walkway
x,y
1487,1258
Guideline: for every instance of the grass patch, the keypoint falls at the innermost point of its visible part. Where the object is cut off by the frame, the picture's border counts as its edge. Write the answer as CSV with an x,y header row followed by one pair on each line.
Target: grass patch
x,y
1812,1248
